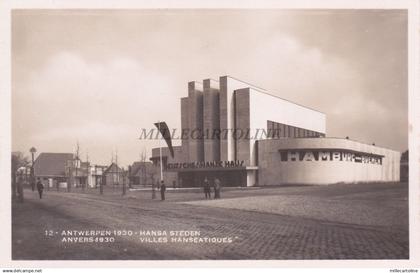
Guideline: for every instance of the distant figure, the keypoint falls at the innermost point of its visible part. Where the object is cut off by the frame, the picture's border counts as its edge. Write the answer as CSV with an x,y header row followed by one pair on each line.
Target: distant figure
x,y
207,188
217,188
40,188
174,184
162,190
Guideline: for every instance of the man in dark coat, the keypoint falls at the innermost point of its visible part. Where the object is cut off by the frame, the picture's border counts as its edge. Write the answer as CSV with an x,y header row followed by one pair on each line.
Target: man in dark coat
x,y
207,188
40,188
162,190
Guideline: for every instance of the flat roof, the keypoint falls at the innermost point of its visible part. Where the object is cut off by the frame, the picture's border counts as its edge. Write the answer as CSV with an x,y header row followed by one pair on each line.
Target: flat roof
x,y
264,91
342,138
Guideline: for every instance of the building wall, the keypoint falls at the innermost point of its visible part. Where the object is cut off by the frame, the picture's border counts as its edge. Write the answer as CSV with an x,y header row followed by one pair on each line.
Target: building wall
x,y
195,120
242,120
272,171
185,124
179,156
211,121
227,115
254,108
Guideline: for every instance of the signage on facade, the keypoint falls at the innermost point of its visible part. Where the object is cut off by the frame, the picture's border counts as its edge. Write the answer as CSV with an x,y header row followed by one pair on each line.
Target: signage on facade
x,y
330,155
206,164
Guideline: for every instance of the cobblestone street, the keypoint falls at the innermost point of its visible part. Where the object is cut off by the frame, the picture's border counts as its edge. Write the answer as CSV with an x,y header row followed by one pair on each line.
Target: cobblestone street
x,y
336,222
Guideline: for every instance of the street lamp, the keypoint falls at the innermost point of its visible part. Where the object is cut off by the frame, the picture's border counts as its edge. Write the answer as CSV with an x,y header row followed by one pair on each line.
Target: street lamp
x,y
33,151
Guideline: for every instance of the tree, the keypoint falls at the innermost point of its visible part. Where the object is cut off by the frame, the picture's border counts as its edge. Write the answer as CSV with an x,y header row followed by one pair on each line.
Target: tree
x,y
18,160
143,167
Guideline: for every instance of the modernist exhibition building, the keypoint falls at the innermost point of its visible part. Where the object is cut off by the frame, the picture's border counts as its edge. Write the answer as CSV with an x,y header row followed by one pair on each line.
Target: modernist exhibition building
x,y
244,136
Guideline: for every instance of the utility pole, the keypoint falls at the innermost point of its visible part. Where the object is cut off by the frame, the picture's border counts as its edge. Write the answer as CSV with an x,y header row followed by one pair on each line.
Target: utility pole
x,y
70,166
112,174
129,176
33,151
118,168
85,185
77,159
160,155
123,188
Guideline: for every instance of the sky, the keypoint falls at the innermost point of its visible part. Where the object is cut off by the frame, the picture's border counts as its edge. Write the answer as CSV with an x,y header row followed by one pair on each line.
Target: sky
x,y
97,77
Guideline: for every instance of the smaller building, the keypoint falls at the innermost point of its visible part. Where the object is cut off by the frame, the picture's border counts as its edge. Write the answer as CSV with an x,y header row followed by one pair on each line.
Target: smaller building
x,y
113,175
143,173
87,175
52,168
95,175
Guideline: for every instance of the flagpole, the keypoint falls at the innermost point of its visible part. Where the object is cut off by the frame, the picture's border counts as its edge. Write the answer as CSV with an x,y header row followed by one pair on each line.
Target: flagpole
x,y
160,155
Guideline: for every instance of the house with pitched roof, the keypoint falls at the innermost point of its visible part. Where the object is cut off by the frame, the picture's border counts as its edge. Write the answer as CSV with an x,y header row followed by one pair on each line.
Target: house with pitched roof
x,y
142,173
52,168
113,175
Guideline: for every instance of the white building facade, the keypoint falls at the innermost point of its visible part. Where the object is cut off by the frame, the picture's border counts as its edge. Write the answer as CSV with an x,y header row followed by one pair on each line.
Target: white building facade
x,y
244,136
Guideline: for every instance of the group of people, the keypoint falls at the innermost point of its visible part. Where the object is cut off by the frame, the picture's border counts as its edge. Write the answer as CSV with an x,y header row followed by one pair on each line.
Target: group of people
x,y
207,188
162,188
19,188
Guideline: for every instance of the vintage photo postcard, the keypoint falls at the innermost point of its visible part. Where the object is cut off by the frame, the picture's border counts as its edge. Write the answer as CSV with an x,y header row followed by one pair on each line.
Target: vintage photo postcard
x,y
221,134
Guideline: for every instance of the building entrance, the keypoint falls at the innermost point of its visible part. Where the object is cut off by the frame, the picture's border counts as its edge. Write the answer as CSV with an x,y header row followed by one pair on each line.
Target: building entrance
x,y
233,178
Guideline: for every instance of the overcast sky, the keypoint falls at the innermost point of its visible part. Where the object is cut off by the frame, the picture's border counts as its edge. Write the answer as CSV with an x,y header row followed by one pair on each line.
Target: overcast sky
x,y
98,77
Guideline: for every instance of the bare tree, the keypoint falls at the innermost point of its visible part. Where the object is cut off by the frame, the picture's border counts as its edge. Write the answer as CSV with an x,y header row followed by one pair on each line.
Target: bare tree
x,y
18,160
143,168
77,159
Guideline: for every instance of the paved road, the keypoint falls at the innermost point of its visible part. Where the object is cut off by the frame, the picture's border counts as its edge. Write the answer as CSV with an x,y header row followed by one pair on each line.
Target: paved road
x,y
280,234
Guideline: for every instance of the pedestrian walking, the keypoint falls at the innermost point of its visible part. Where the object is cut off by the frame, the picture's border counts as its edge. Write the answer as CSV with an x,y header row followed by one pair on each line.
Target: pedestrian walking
x,y
217,188
162,190
207,190
40,188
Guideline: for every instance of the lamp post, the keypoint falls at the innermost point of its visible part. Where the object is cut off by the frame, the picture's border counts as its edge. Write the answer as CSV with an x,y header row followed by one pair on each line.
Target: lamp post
x,y
32,151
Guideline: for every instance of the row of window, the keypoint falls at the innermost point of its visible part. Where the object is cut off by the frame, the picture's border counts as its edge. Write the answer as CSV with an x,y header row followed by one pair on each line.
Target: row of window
x,y
279,130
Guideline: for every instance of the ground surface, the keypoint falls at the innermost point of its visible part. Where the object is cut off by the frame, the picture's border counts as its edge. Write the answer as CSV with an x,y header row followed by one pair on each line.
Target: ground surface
x,y
363,221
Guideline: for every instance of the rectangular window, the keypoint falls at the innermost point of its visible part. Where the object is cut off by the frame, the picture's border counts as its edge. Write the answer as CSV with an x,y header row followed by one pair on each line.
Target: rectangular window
x,y
269,132
282,130
275,129
278,132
